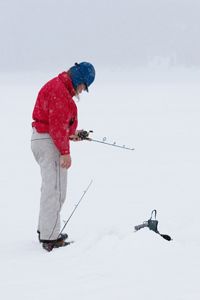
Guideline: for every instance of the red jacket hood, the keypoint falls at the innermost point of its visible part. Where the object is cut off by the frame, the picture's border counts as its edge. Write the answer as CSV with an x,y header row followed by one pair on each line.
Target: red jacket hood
x,y
65,78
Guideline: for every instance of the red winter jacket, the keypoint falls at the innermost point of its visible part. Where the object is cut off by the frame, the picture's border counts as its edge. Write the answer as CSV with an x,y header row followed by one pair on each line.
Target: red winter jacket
x,y
55,111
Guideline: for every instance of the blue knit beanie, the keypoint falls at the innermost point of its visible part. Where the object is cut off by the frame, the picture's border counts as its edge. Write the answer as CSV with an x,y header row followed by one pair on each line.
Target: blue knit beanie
x,y
82,73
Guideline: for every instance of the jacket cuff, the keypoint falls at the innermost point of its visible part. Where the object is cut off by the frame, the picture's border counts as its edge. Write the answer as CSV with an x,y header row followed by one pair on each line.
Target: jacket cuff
x,y
64,152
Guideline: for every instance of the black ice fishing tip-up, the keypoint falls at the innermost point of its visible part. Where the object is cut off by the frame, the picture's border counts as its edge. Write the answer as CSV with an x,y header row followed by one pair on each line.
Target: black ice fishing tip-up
x,y
152,224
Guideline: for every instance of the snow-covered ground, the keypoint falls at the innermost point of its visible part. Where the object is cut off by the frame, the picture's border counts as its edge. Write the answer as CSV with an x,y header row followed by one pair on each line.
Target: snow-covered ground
x,y
158,113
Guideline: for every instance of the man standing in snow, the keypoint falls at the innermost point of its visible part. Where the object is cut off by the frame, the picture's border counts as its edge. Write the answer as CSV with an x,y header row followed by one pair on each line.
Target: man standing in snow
x,y
55,124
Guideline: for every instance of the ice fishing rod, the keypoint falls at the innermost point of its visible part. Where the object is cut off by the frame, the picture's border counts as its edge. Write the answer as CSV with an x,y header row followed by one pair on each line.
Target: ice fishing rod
x,y
152,224
73,211
84,135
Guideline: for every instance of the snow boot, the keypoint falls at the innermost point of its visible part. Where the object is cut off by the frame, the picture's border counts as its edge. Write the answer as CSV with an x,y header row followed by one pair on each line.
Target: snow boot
x,y
62,236
49,245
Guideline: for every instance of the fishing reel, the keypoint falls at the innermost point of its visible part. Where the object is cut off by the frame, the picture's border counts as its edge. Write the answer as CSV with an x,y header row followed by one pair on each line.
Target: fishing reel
x,y
84,135
152,224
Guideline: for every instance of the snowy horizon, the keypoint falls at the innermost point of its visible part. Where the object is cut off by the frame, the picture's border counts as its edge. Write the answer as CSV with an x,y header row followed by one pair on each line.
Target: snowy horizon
x,y
38,35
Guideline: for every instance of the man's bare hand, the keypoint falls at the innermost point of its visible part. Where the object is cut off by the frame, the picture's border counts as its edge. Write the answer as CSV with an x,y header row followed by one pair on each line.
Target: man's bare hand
x,y
80,135
75,138
65,161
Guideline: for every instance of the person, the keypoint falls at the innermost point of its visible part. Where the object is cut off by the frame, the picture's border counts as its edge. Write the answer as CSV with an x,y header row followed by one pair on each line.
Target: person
x,y
54,126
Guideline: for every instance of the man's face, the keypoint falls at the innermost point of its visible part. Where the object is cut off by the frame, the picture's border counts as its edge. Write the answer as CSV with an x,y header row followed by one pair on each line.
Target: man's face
x,y
80,88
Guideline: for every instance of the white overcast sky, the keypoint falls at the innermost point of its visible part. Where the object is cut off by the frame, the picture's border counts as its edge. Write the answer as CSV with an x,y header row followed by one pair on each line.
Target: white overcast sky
x,y
40,34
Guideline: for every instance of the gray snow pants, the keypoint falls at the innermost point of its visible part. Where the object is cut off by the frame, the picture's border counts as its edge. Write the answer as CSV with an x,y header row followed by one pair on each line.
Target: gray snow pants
x,y
54,184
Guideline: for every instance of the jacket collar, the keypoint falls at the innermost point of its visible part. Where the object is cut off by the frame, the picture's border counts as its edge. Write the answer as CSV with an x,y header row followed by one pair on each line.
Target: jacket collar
x,y
64,77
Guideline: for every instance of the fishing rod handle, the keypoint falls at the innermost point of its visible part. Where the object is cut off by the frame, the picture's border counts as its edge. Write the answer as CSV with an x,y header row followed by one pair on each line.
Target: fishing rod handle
x,y
143,225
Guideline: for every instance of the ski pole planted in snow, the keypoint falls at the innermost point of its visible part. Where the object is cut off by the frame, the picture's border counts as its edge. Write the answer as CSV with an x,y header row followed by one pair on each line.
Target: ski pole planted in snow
x,y
84,135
